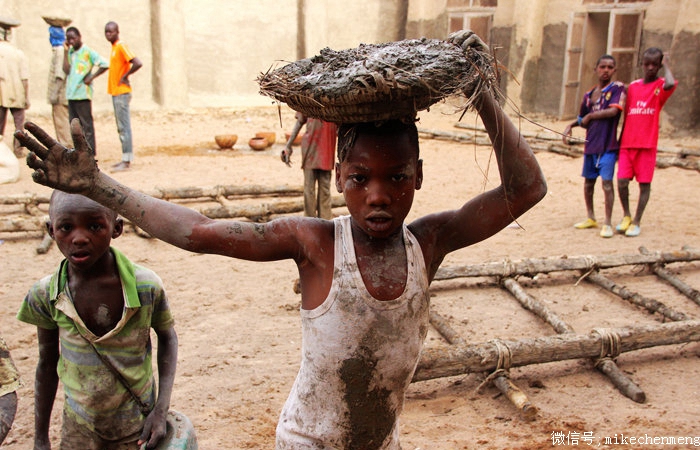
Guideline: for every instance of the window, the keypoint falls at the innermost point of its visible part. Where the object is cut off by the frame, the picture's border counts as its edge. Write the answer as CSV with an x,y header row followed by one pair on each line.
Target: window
x,y
612,2
615,31
471,3
475,15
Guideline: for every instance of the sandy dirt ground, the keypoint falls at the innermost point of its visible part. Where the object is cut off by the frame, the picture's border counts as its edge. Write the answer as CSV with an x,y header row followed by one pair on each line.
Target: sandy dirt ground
x,y
239,326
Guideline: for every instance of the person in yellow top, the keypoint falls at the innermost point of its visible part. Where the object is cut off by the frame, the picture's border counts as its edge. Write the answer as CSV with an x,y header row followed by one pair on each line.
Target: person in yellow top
x,y
122,63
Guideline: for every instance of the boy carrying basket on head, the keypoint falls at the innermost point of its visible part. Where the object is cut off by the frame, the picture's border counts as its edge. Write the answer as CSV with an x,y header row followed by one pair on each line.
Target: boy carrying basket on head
x,y
364,277
93,319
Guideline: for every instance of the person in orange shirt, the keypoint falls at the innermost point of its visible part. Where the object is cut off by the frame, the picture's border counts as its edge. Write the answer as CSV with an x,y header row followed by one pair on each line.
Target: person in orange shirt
x,y
122,63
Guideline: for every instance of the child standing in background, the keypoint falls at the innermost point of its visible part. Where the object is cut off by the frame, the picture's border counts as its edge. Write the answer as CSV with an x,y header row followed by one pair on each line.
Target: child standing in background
x,y
640,135
600,114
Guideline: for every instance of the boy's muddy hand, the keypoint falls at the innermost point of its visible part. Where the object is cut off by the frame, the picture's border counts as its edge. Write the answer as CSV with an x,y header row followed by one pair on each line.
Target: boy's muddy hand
x,y
55,166
154,429
466,39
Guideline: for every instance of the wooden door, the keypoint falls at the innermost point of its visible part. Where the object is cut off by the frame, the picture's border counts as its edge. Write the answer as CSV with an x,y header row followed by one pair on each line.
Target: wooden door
x,y
573,60
624,37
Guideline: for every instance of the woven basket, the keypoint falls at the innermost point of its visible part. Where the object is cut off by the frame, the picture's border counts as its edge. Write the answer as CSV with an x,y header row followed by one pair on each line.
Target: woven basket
x,y
379,82
57,21
9,22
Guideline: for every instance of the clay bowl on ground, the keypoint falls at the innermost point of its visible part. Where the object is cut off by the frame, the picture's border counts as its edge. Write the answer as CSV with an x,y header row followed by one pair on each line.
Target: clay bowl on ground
x,y
259,143
271,137
297,140
226,141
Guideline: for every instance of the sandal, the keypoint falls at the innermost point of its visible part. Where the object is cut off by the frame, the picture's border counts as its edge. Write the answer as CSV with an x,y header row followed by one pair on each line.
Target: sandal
x,y
624,225
588,223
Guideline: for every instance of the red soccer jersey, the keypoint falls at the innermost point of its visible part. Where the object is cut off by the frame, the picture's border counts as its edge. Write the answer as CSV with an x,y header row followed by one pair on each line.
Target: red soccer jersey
x,y
642,110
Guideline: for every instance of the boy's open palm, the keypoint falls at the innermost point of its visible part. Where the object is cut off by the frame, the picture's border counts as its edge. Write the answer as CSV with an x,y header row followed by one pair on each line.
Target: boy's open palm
x,y
55,166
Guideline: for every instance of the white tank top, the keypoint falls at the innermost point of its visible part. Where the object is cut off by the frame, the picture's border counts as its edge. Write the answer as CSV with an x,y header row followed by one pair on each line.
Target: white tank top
x,y
358,357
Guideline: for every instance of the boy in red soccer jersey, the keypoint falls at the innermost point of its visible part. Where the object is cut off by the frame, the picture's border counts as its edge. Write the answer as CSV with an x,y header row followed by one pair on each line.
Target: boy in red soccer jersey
x,y
640,134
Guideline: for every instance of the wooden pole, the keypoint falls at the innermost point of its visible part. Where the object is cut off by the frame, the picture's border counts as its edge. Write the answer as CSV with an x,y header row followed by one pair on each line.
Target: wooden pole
x,y
500,378
533,266
561,149
224,190
483,357
23,199
261,210
683,163
667,276
530,135
605,365
190,192
681,286
443,327
649,304
536,307
253,212
539,139
620,380
446,135
680,152
517,397
45,244
17,224
538,142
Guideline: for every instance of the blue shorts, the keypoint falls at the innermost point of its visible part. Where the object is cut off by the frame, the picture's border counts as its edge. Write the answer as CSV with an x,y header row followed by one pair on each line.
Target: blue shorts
x,y
602,165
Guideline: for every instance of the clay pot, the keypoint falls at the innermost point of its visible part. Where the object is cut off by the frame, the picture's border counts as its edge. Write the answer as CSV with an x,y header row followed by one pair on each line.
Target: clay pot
x,y
271,137
297,140
259,143
226,141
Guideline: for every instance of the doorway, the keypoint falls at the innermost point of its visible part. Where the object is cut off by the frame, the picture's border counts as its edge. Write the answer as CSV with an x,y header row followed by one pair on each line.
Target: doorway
x,y
591,34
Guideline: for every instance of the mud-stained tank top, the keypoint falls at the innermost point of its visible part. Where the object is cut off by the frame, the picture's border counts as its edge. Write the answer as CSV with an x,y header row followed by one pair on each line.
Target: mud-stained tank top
x,y
358,357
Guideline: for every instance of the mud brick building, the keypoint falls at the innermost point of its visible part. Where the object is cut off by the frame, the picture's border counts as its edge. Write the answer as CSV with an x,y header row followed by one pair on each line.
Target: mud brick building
x,y
200,53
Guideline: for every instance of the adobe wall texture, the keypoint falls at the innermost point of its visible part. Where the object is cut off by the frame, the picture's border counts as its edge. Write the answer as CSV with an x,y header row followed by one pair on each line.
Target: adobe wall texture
x,y
90,18
199,53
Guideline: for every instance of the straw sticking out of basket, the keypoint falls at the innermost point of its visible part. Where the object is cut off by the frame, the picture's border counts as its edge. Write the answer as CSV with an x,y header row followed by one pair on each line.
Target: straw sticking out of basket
x,y
379,82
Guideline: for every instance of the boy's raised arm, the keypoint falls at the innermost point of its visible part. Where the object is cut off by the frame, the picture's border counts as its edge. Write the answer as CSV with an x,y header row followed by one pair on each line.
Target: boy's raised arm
x,y
668,75
522,186
75,170
522,182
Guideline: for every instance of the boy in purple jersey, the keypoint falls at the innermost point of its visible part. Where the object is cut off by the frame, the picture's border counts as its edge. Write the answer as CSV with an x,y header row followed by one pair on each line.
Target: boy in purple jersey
x,y
600,115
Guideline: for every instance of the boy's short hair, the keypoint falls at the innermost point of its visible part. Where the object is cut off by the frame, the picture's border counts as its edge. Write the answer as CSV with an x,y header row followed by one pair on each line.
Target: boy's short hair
x,y
654,51
348,133
74,30
611,57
